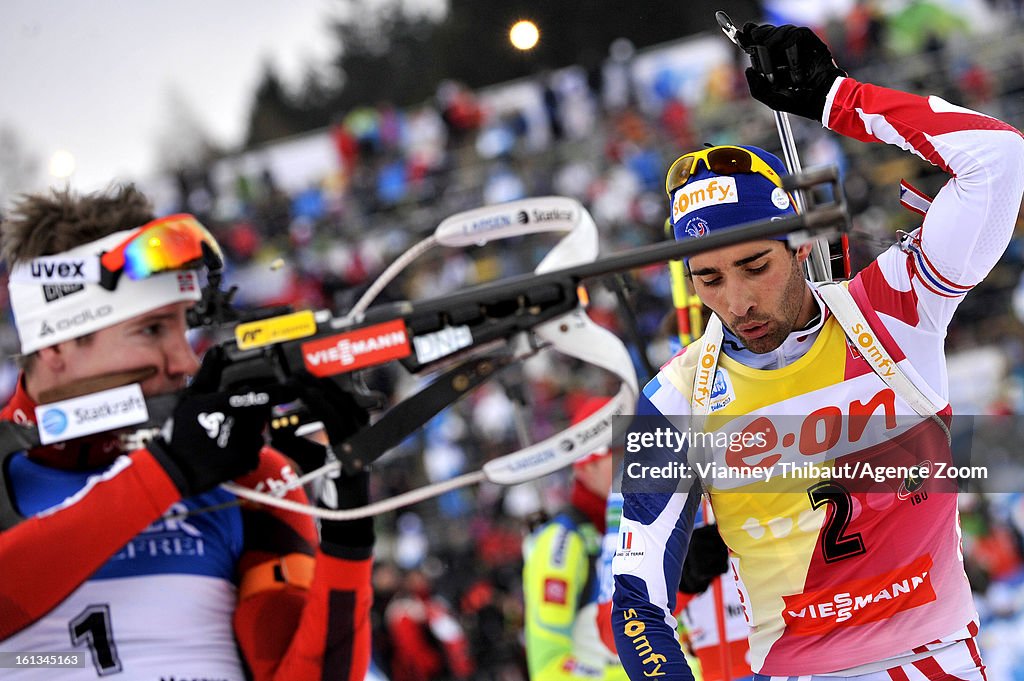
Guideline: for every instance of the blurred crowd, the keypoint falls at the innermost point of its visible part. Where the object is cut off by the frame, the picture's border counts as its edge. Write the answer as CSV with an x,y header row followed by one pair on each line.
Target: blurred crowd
x,y
448,577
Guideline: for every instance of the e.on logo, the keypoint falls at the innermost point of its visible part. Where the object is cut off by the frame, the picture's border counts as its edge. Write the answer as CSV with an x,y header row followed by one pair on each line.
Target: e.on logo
x,y
829,430
365,347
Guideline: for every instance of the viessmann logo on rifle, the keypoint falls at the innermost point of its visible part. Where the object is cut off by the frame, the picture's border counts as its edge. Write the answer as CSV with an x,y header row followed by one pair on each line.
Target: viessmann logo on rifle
x,y
356,349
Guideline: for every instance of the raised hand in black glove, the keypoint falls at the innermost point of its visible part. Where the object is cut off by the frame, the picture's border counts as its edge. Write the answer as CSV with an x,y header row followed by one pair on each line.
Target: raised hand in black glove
x,y
212,436
707,558
800,64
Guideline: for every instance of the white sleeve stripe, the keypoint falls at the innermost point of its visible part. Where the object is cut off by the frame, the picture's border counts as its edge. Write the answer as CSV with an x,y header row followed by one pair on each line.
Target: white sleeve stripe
x,y
829,99
879,127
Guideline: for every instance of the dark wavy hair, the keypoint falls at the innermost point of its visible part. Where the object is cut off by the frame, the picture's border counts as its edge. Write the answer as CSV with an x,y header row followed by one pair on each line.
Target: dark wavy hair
x,y
47,224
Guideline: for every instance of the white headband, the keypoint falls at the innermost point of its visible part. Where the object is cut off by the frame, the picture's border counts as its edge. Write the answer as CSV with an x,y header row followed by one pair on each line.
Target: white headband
x,y
56,298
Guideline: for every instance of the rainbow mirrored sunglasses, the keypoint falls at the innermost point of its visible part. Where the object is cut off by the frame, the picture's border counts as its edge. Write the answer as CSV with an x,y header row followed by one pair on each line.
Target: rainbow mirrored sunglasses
x,y
722,160
175,242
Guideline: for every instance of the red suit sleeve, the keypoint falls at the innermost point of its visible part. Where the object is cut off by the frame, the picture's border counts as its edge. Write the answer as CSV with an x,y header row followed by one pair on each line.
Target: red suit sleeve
x,y
297,631
456,645
604,625
35,575
415,657
968,224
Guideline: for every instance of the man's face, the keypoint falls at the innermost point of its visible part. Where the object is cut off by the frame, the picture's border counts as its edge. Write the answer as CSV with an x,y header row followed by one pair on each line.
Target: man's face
x,y
757,289
154,339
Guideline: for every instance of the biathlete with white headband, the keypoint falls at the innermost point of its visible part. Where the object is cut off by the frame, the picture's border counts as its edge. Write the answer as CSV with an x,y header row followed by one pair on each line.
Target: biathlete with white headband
x,y
840,577
103,548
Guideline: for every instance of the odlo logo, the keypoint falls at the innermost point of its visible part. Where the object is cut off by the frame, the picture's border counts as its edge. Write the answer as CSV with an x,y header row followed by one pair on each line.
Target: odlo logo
x,y
217,427
83,317
249,399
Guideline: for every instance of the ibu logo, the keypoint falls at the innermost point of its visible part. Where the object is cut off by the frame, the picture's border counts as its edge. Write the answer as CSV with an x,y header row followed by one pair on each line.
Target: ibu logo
x,y
721,390
720,386
55,421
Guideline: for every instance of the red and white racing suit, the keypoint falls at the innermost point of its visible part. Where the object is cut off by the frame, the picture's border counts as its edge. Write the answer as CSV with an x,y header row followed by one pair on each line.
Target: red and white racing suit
x,y
839,579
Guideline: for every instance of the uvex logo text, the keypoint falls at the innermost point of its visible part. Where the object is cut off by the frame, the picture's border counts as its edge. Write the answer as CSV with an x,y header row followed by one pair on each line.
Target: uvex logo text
x,y
357,349
703,193
50,269
69,269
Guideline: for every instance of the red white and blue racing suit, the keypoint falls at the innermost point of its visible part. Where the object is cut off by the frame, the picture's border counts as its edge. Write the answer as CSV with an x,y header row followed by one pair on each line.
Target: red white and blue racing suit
x,y
110,562
855,580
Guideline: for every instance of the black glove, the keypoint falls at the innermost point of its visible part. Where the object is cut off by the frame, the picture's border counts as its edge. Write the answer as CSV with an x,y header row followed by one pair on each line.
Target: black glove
x,y
348,538
352,539
326,402
707,558
801,66
212,437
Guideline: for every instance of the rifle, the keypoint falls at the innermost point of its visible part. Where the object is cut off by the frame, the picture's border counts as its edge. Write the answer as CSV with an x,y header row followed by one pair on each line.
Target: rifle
x,y
467,336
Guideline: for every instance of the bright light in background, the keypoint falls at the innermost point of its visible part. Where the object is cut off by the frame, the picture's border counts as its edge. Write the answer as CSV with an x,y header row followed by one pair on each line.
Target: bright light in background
x,y
120,88
524,35
62,164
